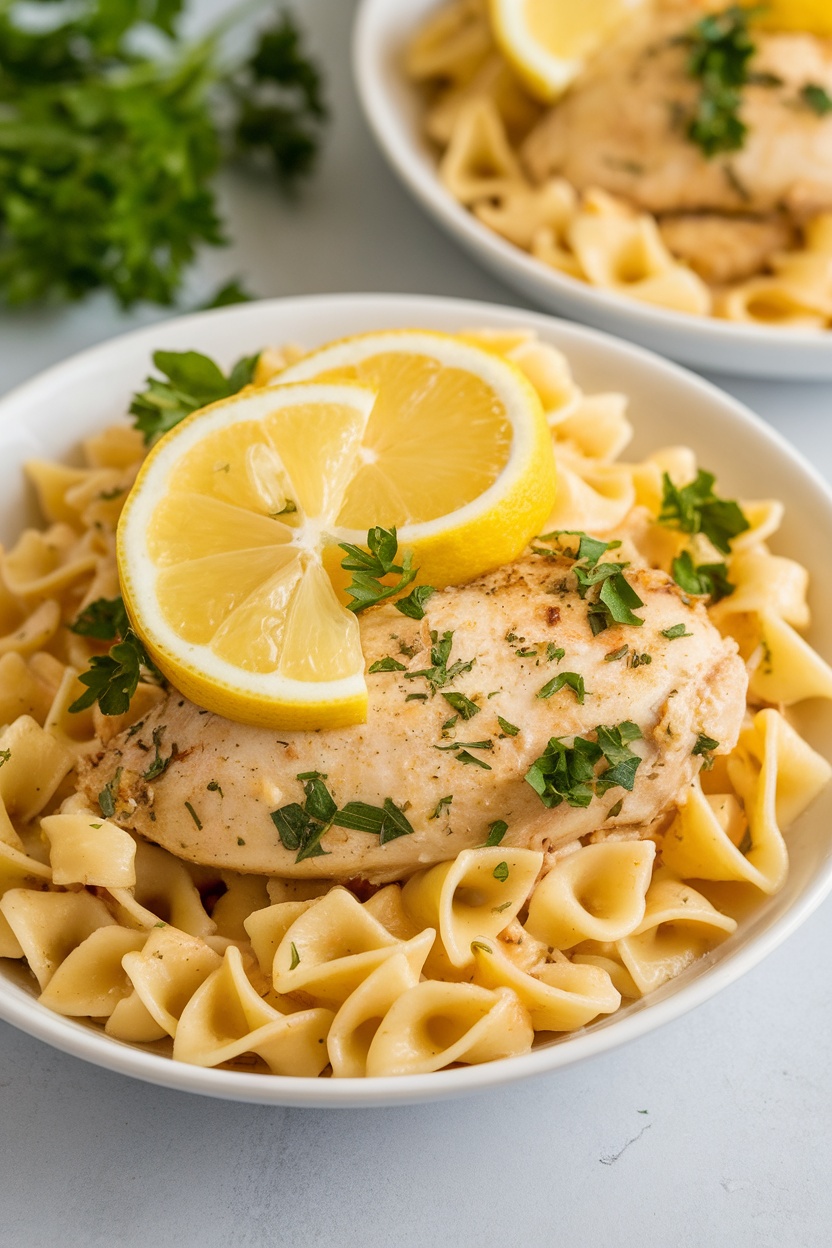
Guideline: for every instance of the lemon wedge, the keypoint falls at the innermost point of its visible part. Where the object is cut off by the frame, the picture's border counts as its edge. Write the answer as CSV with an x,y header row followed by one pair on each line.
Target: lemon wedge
x,y
228,543
812,16
457,454
548,41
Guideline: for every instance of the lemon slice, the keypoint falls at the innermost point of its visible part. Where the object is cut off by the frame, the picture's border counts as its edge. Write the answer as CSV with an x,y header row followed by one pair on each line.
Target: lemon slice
x,y
220,557
812,16
548,41
456,454
228,543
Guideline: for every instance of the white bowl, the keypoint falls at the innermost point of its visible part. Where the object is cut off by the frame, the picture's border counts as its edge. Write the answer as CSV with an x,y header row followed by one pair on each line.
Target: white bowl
x,y
47,417
394,111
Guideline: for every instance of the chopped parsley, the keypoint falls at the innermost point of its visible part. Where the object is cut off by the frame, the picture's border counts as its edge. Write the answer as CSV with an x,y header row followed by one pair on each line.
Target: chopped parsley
x,y
554,653
705,747
616,809
614,655
721,49
616,599
496,832
301,826
564,680
386,665
160,763
464,706
509,730
413,604
441,805
694,508
481,945
567,773
295,956
500,872
678,630
370,566
709,579
5,755
640,660
439,673
746,842
107,796
194,816
817,98
465,757
105,619
213,787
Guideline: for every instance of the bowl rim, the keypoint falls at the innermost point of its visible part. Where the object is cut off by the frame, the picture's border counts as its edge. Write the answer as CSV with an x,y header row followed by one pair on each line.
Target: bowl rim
x,y
20,1008
404,150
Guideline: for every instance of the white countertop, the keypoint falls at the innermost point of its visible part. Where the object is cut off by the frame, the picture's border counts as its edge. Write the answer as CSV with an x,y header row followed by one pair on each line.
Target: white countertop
x,y
734,1147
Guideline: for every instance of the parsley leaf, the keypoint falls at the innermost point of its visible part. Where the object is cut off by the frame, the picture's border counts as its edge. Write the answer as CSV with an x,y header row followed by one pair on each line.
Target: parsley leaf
x,y
500,872
108,795
510,730
301,827
386,665
105,619
496,832
564,680
706,578
113,678
5,755
694,508
387,822
439,673
465,757
160,763
192,382
817,98
466,708
369,566
678,630
440,806
413,604
705,746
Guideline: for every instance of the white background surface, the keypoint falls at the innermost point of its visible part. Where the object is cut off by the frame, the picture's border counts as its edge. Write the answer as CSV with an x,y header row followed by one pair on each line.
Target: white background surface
x,y
734,1147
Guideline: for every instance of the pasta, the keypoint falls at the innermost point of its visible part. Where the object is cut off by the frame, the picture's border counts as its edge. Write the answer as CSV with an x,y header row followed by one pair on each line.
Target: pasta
x,y
478,114
467,961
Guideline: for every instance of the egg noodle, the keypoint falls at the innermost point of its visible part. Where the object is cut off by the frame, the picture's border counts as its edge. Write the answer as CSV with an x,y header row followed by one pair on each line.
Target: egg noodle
x,y
478,114
463,962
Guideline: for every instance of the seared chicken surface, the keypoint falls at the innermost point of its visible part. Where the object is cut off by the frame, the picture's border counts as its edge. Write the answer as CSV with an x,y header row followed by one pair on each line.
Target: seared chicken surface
x,y
622,127
233,776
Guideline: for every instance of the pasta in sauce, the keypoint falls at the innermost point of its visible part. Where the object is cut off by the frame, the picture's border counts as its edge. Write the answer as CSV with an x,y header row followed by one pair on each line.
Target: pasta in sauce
x,y
466,961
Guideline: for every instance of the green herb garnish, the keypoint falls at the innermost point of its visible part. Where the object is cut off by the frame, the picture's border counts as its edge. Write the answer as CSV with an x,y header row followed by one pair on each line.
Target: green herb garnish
x,y
563,680
370,566
113,678
509,730
500,872
721,49
567,773
160,763
194,816
107,796
189,381
472,760
386,665
678,630
413,604
817,98
615,655
554,653
301,827
213,787
439,673
694,508
705,746
5,755
105,619
112,130
496,832
295,960
464,706
441,805
710,579
387,822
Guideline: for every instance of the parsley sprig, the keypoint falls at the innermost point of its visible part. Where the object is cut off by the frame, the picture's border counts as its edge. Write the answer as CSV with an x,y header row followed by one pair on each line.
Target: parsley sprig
x,y
108,154
301,826
709,579
567,772
615,600
369,568
440,673
112,679
695,508
189,381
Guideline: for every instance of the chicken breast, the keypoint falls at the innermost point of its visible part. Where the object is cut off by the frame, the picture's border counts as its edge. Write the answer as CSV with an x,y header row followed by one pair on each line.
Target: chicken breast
x,y
623,126
726,249
212,802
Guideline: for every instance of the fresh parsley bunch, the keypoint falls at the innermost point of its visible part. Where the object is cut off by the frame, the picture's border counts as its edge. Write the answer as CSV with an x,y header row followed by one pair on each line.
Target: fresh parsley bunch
x,y
108,154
